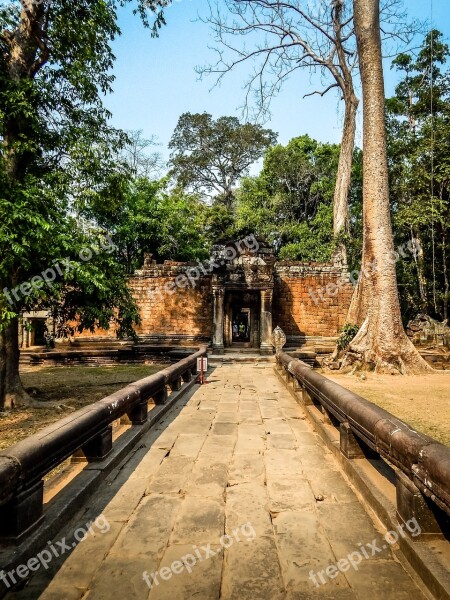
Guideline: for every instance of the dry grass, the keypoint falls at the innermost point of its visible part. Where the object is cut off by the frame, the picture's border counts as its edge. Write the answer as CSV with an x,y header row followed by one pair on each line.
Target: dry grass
x,y
423,401
70,388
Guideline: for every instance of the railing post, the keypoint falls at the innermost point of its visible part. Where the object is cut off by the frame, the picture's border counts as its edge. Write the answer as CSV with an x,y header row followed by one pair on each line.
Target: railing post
x,y
175,385
99,447
187,376
161,396
23,512
413,505
296,384
139,413
326,416
306,398
349,444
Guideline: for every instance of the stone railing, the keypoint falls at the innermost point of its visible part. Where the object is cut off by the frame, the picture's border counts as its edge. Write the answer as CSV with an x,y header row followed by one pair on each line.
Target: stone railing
x,y
366,430
87,431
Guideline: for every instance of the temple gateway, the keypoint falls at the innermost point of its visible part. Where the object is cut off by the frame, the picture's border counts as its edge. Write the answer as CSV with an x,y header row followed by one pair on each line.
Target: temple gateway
x,y
235,299
232,301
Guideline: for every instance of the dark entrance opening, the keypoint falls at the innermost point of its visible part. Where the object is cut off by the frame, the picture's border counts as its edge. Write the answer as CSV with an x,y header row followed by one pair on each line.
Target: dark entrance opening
x,y
241,325
38,331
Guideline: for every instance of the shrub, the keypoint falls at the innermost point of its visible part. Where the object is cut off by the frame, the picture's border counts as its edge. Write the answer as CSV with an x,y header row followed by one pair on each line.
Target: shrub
x,y
347,333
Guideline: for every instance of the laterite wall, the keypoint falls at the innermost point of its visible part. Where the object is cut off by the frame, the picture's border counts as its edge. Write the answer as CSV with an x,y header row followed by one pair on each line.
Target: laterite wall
x,y
309,299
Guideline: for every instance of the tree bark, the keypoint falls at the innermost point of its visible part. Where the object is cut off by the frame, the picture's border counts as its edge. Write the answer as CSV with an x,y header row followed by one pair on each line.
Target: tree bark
x,y
26,53
12,391
420,265
344,80
341,219
359,305
381,343
444,268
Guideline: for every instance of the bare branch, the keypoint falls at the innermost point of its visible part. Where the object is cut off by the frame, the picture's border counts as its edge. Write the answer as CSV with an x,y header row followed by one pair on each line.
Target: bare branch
x,y
322,94
284,36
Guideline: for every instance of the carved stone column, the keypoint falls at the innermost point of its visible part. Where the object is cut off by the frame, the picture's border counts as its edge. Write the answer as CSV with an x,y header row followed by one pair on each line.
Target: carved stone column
x,y
218,296
266,322
26,334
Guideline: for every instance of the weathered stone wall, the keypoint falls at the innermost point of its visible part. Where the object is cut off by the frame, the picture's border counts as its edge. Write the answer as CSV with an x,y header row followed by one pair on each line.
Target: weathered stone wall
x,y
175,311
169,313
310,299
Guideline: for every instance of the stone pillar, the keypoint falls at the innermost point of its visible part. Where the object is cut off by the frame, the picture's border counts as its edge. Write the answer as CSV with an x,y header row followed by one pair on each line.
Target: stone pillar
x,y
349,443
22,340
266,322
413,506
218,295
25,334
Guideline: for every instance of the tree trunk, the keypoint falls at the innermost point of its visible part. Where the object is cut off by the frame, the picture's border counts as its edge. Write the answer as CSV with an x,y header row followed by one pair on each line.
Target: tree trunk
x,y
341,217
381,342
24,55
444,268
11,389
359,305
420,265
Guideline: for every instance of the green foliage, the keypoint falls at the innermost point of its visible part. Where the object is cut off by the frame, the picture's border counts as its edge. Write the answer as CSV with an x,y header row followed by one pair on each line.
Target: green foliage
x,y
346,335
58,151
94,292
291,202
145,216
220,223
209,156
315,239
418,125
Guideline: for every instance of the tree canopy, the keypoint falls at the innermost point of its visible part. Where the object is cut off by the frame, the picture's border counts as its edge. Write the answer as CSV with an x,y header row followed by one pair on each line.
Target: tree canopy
x,y
418,124
148,216
209,156
291,201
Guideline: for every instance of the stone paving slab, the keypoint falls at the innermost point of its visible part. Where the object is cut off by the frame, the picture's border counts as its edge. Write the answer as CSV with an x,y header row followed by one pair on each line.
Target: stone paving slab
x,y
233,496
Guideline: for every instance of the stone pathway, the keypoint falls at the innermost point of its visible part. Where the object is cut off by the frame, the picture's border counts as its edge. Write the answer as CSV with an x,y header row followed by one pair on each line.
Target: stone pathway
x,y
233,496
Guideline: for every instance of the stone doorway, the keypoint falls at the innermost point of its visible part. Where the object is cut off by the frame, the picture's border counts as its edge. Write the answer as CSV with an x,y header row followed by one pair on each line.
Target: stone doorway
x,y
241,326
242,297
38,331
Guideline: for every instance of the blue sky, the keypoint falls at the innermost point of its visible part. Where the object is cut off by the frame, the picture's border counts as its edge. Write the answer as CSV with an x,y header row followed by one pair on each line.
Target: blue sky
x,y
156,82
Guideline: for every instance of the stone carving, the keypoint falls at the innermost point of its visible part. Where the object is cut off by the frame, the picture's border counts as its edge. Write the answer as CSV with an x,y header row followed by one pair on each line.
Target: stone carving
x,y
245,267
278,339
147,260
423,329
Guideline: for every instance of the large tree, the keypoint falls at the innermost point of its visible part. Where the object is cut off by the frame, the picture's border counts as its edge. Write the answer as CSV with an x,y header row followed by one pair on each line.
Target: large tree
x,y
381,342
209,156
281,38
55,66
